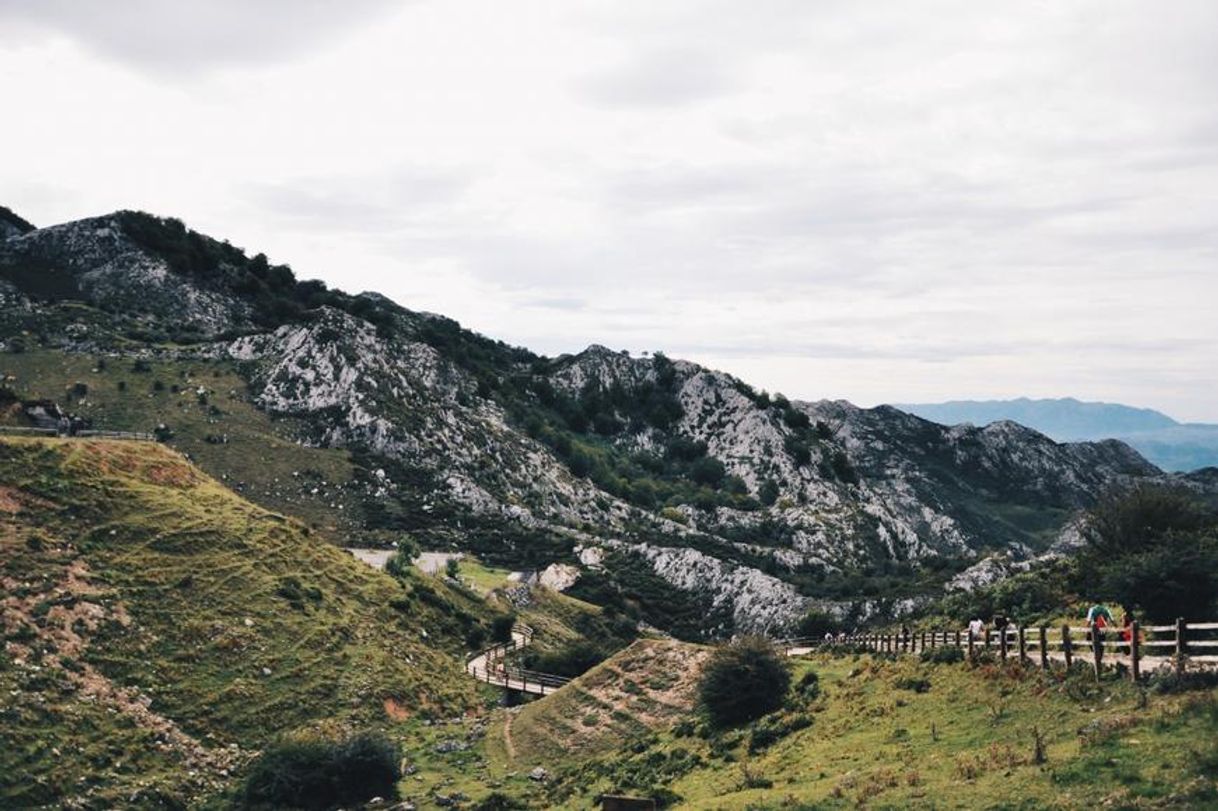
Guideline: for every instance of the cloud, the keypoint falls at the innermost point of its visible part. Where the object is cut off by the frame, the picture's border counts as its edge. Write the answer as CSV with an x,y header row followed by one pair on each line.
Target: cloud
x,y
378,203
882,200
662,79
187,36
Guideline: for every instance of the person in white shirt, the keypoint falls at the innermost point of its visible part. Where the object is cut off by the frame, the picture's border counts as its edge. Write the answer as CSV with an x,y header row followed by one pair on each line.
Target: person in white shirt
x,y
976,628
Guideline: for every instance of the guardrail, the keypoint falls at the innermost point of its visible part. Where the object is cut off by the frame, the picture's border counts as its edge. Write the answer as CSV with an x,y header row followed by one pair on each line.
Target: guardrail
x,y
1180,646
19,430
135,435
490,666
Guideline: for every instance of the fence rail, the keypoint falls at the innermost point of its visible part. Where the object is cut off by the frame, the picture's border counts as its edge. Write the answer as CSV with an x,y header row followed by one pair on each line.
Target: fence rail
x,y
1180,646
19,430
490,666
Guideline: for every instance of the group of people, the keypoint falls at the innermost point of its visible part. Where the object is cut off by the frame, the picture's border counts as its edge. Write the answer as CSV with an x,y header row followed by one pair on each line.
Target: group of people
x,y
1099,619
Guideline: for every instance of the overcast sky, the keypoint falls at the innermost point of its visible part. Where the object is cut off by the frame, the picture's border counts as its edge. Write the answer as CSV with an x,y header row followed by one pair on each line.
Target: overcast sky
x,y
884,202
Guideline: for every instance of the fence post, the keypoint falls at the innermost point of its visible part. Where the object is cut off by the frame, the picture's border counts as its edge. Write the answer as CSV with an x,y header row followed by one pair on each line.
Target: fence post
x,y
1134,652
1067,648
933,634
1023,645
987,638
1044,647
1097,650
923,648
1002,643
1180,645
970,644
957,637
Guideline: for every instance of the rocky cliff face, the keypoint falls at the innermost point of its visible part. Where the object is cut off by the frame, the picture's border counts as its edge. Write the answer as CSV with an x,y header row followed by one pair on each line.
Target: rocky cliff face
x,y
722,491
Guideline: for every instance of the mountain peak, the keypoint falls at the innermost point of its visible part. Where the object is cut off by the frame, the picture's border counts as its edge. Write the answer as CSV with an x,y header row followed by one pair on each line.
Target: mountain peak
x,y
12,224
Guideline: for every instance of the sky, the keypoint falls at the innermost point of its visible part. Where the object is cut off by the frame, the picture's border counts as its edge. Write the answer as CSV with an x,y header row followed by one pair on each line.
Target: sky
x,y
882,202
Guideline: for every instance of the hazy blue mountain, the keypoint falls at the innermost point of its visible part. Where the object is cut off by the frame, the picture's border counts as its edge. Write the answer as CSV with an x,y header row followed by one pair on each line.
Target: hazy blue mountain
x,y
1169,444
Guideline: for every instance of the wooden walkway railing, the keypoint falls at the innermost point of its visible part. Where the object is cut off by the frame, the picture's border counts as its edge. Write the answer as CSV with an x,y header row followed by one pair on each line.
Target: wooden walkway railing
x,y
490,666
1180,646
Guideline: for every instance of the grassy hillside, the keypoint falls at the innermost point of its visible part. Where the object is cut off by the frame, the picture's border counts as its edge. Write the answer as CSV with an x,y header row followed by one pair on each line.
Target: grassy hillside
x,y
157,627
864,732
220,429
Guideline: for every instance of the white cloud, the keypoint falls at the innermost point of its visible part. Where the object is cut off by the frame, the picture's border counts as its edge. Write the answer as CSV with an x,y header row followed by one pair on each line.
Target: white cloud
x,y
884,201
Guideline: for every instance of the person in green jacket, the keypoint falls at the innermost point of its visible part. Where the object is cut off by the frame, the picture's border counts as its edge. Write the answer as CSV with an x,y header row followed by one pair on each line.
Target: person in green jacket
x,y
1099,616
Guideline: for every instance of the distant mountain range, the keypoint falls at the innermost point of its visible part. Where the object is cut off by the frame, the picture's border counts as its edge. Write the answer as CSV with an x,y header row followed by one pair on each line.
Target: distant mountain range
x,y
1173,446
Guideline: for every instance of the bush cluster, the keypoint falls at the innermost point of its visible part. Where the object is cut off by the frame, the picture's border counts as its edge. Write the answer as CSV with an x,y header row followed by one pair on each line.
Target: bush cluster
x,y
320,774
743,681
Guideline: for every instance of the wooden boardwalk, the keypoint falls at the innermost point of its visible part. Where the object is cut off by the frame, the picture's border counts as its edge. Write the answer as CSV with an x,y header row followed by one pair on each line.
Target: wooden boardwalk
x,y
490,666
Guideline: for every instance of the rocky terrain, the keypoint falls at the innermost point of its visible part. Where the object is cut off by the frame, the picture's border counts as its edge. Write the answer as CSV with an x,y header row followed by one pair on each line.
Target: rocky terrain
x,y
748,502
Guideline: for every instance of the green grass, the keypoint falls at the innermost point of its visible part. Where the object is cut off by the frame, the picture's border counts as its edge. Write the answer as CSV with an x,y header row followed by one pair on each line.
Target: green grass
x,y
261,457
966,742
236,624
483,577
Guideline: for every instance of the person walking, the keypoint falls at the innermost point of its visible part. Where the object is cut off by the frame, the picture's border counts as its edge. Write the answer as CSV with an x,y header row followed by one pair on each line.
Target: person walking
x,y
1127,629
976,629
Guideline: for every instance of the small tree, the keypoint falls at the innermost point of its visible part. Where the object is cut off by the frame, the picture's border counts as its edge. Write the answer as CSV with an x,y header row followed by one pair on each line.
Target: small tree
x,y
1178,578
452,568
743,681
501,627
816,624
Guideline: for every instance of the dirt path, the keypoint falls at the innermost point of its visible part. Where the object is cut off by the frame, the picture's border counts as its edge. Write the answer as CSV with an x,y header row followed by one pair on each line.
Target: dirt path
x,y
507,735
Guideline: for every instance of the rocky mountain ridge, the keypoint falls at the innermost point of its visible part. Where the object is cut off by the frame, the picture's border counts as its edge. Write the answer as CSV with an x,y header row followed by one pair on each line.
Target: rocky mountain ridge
x,y
745,501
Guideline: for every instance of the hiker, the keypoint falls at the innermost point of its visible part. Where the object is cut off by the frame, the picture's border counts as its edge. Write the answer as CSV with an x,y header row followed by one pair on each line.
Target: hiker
x,y
976,629
1001,621
1098,618
1127,629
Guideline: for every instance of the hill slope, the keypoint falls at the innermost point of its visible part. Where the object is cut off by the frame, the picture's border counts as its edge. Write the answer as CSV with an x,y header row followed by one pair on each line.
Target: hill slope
x,y
1169,444
752,506
158,627
867,731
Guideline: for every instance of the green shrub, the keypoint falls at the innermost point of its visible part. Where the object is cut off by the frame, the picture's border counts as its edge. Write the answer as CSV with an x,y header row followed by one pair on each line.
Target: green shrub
x,y
808,686
743,681
943,656
498,801
912,683
816,624
1171,682
501,627
570,661
323,774
399,562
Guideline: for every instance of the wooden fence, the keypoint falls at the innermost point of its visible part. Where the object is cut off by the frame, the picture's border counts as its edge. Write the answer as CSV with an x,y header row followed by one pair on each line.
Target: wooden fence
x,y
490,665
1179,646
17,430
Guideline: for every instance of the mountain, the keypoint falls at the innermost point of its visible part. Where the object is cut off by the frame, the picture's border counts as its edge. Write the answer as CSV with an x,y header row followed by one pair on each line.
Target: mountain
x,y
1168,444
693,500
